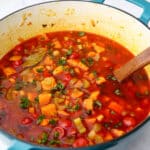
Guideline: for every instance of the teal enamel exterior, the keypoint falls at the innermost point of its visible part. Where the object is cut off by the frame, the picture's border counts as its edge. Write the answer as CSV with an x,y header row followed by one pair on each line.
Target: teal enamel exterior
x,y
145,17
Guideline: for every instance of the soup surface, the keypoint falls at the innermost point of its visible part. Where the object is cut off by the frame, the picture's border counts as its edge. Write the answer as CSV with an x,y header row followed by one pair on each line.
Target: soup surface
x,y
58,89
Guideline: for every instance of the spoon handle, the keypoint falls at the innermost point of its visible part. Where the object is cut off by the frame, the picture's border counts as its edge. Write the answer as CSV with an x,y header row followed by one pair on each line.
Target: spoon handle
x,y
134,64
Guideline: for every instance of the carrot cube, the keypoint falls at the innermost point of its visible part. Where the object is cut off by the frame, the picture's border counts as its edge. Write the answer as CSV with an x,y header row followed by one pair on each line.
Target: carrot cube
x,y
49,110
116,107
44,98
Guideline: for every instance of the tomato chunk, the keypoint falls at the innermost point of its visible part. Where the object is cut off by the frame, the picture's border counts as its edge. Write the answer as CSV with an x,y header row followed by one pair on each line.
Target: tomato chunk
x,y
129,121
26,121
80,142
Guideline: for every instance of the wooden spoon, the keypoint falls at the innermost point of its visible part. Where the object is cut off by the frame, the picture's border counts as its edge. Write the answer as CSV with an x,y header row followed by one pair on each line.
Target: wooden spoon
x,y
134,64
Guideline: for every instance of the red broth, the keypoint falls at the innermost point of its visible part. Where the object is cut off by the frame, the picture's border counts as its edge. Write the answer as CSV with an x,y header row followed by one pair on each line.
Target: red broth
x,y
58,90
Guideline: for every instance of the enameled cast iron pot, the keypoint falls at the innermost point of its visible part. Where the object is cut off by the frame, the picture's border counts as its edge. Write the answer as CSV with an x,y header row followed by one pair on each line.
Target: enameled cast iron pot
x,y
71,15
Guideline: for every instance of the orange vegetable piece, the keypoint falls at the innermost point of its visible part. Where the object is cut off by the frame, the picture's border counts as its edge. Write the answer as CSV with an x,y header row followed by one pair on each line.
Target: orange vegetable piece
x,y
32,96
90,120
48,83
15,58
116,107
9,71
44,122
44,98
49,110
63,113
31,110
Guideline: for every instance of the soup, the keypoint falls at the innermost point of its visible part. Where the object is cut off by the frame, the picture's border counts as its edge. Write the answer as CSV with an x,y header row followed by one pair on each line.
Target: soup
x,y
58,90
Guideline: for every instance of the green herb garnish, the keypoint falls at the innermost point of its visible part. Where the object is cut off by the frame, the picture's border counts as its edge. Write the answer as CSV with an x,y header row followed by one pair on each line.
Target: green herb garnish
x,y
118,92
76,107
81,33
39,70
53,122
44,138
54,142
37,99
56,135
98,104
40,119
25,103
69,52
111,77
90,61
19,85
62,61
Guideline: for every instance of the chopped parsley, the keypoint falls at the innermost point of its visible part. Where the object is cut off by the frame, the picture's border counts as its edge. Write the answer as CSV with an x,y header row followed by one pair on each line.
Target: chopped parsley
x,y
54,142
37,99
39,70
111,77
53,122
25,103
118,92
88,61
62,61
69,52
40,119
56,135
97,103
19,85
81,33
72,72
44,138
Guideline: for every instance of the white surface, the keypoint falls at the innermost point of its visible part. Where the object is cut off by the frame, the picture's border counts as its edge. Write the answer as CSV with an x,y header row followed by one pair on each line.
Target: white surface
x,y
126,6
138,141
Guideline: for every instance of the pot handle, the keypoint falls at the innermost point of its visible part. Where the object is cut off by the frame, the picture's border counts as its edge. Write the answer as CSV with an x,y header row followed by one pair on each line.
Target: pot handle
x,y
9,143
145,17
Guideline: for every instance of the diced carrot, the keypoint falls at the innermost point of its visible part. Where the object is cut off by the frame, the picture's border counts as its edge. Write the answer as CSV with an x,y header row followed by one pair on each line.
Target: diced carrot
x,y
31,110
82,66
100,80
58,70
100,117
108,137
90,120
9,71
88,104
44,98
35,69
15,58
94,95
48,83
56,44
98,48
76,93
49,110
47,61
63,113
117,132
44,122
116,107
31,96
72,62
76,63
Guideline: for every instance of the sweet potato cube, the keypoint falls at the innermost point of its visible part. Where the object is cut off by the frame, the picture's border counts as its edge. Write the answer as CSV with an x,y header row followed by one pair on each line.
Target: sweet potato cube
x,y
44,98
49,110
44,122
9,71
48,83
